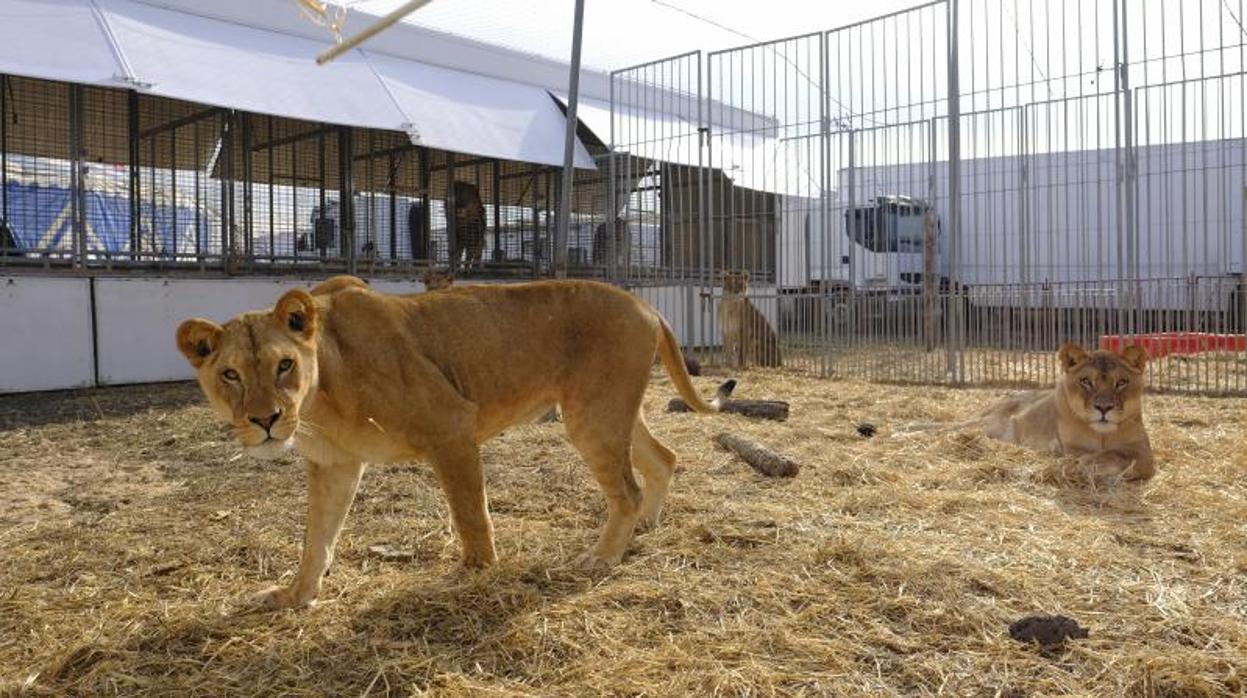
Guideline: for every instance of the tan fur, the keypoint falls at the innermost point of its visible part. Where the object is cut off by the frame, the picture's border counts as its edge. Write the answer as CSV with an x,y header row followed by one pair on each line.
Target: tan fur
x,y
437,280
747,336
1067,419
378,378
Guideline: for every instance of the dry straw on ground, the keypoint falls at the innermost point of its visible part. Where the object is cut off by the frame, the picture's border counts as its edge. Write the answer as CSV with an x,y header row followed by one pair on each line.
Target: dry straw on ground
x,y
131,529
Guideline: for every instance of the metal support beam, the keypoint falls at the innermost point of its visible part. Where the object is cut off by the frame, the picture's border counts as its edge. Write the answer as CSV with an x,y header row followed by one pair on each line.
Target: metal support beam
x,y
180,122
569,145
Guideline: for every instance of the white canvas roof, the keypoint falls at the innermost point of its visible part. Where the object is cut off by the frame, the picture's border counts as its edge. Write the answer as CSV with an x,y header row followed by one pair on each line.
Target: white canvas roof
x,y
445,91
174,50
476,114
56,40
206,60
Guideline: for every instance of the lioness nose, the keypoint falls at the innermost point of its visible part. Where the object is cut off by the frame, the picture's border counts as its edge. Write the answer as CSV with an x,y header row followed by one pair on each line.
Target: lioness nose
x,y
1104,409
266,423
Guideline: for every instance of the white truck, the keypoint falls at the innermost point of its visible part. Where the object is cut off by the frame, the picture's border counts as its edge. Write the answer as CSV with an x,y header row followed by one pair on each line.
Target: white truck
x,y
1062,229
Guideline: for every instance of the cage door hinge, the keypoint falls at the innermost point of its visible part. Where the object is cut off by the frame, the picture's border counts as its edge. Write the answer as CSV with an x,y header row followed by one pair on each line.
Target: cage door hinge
x,y
134,82
413,134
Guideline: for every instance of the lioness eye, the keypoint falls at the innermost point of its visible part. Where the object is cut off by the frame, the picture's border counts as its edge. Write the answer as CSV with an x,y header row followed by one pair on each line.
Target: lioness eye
x,y
1086,383
285,365
1122,383
230,374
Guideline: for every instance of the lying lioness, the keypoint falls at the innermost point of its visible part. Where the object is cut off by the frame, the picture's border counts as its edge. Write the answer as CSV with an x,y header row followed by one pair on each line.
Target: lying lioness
x,y
346,376
1095,412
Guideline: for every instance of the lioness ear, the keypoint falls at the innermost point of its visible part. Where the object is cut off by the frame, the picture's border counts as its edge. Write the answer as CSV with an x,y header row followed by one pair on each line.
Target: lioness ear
x,y
1135,356
198,339
296,312
1070,355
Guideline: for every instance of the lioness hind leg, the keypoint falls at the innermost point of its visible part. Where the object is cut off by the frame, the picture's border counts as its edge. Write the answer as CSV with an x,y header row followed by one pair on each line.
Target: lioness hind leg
x,y
604,444
657,464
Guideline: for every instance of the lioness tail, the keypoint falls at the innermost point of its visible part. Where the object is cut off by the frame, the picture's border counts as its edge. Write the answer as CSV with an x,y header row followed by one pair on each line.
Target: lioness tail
x,y
673,361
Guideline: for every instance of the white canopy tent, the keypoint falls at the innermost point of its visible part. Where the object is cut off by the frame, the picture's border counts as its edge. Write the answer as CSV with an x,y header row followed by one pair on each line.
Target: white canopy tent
x,y
254,55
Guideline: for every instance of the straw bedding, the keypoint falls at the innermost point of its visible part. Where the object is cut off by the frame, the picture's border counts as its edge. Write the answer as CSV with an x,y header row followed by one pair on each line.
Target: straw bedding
x,y
131,530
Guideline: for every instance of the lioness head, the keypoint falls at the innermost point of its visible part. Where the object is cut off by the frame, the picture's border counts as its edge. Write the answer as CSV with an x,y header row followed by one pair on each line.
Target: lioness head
x,y
735,281
256,369
1103,387
435,280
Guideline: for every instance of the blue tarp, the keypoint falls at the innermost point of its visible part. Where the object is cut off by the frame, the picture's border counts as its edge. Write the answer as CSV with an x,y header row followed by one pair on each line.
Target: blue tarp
x,y
41,220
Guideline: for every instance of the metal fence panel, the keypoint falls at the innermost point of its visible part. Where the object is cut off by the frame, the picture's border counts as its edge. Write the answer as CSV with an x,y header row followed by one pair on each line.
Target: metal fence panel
x,y
949,192
941,194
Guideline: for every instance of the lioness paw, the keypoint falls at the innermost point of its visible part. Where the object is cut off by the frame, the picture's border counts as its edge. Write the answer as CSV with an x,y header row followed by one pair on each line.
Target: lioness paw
x,y
478,561
592,561
277,598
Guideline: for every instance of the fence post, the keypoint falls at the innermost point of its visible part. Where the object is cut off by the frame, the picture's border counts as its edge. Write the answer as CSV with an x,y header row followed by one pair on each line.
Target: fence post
x,y
956,335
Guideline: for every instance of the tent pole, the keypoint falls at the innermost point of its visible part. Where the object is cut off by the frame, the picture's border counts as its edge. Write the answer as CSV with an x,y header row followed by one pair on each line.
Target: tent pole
x,y
569,146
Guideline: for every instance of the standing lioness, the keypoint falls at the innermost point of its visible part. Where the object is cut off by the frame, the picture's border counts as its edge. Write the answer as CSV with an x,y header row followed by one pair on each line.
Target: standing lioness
x,y
347,376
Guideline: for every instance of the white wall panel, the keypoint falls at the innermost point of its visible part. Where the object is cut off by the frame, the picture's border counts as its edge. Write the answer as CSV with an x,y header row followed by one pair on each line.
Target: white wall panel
x,y
45,333
138,318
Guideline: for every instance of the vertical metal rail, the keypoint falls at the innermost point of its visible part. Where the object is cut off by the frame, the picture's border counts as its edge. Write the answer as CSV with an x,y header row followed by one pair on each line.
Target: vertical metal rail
x,y
272,212
77,185
346,197
1131,271
248,184
136,178
452,224
497,197
956,335
4,157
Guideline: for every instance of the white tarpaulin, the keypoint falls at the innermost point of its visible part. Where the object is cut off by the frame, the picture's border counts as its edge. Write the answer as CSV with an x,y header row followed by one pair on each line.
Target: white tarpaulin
x,y
224,64
475,114
750,160
56,40
270,69
640,132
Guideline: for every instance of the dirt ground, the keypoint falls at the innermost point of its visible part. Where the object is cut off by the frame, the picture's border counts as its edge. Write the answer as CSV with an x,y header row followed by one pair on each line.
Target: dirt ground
x,y
133,529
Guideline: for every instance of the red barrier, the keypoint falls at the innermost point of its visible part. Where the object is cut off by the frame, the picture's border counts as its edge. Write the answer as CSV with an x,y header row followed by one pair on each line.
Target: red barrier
x,y
1159,344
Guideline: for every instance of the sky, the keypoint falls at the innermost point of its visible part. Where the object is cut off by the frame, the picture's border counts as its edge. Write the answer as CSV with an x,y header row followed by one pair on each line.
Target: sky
x,y
620,33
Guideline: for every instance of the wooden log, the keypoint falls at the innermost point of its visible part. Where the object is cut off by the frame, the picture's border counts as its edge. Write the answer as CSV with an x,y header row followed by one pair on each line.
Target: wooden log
x,y
758,409
759,457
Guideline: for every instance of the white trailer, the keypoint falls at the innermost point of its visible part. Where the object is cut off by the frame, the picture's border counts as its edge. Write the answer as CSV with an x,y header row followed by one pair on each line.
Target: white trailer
x,y
1072,226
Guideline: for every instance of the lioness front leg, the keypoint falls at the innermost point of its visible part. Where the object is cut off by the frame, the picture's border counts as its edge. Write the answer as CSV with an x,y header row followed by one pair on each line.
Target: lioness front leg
x,y
462,477
331,489
1129,466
